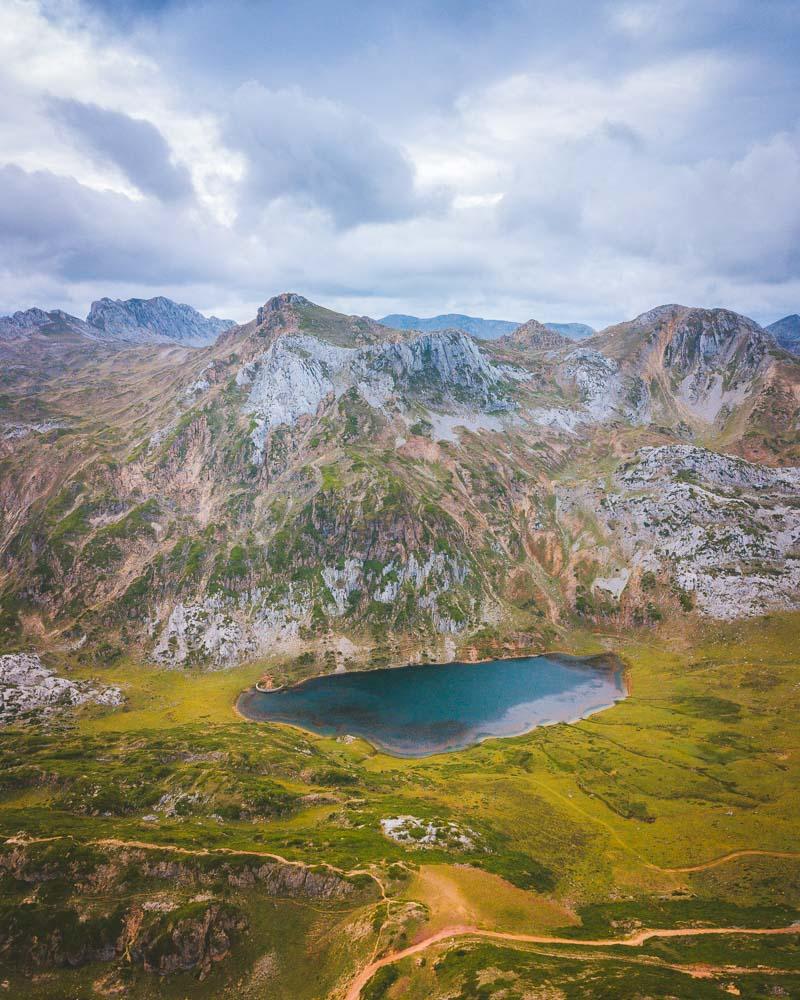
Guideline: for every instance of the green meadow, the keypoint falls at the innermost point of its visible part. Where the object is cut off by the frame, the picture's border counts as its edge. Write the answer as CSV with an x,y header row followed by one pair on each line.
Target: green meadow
x,y
578,831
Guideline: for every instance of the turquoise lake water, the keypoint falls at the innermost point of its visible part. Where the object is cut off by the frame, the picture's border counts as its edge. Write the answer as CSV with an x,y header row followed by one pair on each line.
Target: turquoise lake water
x,y
416,711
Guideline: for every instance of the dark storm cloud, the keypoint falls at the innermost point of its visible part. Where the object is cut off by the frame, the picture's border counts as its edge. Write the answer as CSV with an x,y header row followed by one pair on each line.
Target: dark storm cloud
x,y
319,152
133,145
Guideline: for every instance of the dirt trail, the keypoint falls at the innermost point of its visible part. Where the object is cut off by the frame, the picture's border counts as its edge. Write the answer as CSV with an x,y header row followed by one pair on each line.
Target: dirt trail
x,y
634,941
446,933
723,859
206,852
681,870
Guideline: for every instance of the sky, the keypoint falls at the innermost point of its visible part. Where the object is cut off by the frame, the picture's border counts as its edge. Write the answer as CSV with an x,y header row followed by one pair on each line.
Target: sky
x,y
566,161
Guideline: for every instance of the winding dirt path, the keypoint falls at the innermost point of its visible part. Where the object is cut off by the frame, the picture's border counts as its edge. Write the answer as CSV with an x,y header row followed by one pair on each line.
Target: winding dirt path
x,y
574,807
724,858
205,852
633,941
456,931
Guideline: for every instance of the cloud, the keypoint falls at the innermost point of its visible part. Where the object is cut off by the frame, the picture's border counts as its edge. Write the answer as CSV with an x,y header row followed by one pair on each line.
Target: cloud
x,y
55,225
733,218
557,159
133,145
321,153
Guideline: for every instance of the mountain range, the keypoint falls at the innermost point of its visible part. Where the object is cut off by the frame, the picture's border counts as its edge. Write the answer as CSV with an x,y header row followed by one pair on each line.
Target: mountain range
x,y
133,321
323,484
485,329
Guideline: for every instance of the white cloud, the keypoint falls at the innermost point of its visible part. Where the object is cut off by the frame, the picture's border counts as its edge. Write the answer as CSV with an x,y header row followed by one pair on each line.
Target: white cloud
x,y
586,188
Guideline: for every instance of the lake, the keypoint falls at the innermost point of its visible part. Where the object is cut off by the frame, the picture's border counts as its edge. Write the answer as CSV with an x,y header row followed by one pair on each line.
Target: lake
x,y
416,711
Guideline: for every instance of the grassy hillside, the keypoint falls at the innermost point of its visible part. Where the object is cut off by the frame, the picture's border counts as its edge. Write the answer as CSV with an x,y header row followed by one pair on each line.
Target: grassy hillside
x,y
582,830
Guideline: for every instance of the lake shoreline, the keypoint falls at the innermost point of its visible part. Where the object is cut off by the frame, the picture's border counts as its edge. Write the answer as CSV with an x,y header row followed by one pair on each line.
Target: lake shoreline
x,y
369,704
558,655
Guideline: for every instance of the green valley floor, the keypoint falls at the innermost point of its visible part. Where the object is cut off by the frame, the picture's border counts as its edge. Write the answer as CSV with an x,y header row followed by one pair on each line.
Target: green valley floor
x,y
172,849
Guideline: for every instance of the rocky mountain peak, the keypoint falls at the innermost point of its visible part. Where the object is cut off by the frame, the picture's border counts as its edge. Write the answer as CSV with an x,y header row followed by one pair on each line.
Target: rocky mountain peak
x,y
706,361
534,335
676,324
280,304
156,319
24,324
658,315
710,337
297,371
290,313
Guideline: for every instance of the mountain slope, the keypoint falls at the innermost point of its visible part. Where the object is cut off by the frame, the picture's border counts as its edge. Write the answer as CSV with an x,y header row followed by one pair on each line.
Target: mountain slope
x,y
37,345
701,366
786,332
314,481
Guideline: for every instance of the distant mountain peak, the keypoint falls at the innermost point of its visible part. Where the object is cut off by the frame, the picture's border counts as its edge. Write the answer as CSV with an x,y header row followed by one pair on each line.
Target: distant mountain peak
x,y
26,323
132,321
575,331
291,313
278,303
485,329
536,336
786,332
156,319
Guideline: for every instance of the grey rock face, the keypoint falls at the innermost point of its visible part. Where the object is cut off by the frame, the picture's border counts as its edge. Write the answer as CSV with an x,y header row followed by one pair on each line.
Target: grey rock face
x,y
157,319
690,462
28,687
722,529
714,355
607,393
711,338
298,372
709,361
223,631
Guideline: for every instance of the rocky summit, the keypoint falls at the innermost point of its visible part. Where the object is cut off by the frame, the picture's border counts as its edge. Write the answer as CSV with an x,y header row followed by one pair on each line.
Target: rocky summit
x,y
112,321
323,483
138,320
